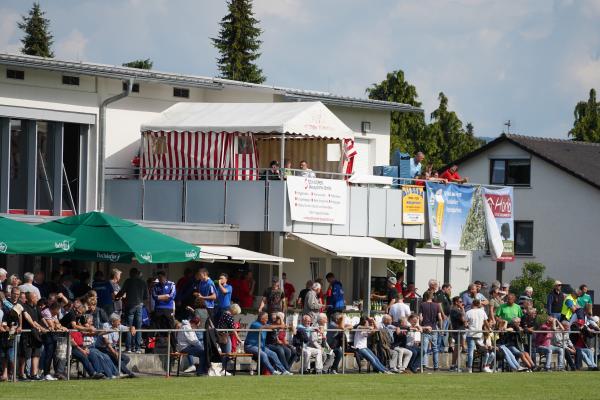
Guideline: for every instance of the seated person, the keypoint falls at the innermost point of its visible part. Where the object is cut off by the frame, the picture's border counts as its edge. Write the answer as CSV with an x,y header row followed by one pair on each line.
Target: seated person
x,y
562,340
276,341
268,358
189,343
364,330
108,343
543,343
583,351
452,175
336,340
305,171
101,361
400,356
413,342
271,174
307,342
513,340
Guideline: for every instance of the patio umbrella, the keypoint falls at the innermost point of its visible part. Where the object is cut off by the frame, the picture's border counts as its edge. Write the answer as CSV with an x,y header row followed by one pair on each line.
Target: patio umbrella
x,y
20,238
103,237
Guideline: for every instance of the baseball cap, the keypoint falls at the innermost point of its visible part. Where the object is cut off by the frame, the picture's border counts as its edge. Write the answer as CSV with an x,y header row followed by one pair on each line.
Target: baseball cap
x,y
392,280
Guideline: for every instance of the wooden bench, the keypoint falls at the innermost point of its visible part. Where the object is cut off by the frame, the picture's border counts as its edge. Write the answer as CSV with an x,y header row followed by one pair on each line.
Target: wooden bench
x,y
176,356
235,356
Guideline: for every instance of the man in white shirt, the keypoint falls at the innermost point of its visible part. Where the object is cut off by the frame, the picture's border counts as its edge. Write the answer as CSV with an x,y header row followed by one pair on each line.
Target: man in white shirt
x,y
476,317
27,285
399,309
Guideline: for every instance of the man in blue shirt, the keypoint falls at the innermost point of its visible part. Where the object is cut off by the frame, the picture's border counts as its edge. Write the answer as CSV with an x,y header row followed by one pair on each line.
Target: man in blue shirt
x,y
334,296
268,358
223,295
163,294
104,290
206,291
415,165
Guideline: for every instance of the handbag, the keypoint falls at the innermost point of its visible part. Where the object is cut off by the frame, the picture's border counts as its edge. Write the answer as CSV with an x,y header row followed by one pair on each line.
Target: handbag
x,y
222,337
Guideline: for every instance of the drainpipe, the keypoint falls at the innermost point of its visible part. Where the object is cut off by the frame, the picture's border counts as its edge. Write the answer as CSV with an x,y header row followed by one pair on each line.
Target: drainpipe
x,y
102,141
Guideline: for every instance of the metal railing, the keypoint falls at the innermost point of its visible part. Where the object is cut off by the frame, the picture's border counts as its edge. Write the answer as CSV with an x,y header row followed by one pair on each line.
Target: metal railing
x,y
459,336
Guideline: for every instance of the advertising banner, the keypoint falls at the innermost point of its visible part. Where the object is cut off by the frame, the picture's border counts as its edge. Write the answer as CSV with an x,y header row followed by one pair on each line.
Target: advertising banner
x,y
499,218
317,200
456,218
413,205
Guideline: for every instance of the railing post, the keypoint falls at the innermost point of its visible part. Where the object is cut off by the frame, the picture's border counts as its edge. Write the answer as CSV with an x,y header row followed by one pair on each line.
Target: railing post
x,y
119,353
421,350
69,355
169,353
258,357
343,352
459,343
495,352
15,354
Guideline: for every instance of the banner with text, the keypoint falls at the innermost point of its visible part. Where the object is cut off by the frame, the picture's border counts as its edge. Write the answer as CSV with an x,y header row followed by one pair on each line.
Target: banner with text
x,y
317,200
456,219
413,205
499,217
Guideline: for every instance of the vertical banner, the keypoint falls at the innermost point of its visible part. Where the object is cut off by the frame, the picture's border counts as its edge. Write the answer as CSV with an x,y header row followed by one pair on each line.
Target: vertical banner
x,y
413,205
456,222
500,222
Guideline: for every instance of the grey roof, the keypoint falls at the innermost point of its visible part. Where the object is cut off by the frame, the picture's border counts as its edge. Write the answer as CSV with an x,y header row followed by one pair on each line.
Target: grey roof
x,y
168,78
580,159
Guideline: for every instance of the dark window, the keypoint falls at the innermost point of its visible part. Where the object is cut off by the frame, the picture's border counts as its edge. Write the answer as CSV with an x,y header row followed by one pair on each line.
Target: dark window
x,y
524,238
15,74
135,88
510,172
180,92
70,80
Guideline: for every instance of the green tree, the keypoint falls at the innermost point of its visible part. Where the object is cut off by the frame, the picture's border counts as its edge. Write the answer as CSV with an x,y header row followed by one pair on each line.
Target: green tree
x,y
141,64
533,275
38,39
238,43
586,127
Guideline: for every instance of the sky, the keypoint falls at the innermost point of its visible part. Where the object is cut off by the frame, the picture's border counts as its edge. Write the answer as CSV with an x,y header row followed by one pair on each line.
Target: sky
x,y
529,61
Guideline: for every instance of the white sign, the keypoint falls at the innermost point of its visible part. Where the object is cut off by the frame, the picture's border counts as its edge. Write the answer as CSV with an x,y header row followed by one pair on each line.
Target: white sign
x,y
318,200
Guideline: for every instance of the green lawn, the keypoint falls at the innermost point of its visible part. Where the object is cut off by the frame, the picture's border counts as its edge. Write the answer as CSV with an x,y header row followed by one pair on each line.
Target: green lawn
x,y
547,386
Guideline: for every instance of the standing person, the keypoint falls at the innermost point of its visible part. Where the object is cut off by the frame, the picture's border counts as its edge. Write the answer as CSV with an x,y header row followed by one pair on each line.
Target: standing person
x,y
288,289
115,278
3,282
584,298
246,294
273,299
431,315
271,174
206,290
302,295
39,281
509,310
452,175
526,297
312,305
31,345
28,286
390,295
415,165
335,296
135,292
555,300
399,310
570,308
224,292
306,172
444,299
163,294
104,289
472,294
458,320
495,303
476,318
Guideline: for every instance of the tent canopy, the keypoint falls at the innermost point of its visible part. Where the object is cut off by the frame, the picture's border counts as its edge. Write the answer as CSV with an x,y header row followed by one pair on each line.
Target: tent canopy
x,y
238,254
310,119
20,238
352,246
103,237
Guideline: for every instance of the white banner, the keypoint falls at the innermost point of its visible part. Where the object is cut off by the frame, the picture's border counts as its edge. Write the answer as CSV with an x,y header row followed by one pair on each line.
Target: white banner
x,y
317,200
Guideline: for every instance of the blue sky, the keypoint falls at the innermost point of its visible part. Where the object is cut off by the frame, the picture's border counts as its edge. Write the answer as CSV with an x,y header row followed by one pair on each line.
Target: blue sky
x,y
527,61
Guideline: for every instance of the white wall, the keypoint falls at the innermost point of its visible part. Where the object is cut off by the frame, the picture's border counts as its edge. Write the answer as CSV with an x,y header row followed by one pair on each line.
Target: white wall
x,y
566,220
430,265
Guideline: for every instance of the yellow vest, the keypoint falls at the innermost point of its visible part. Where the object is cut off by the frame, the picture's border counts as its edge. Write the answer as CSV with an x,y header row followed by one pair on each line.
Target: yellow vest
x,y
566,311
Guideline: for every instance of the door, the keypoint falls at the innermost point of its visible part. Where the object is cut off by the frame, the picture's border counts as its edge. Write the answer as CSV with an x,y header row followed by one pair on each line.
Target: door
x,y
362,160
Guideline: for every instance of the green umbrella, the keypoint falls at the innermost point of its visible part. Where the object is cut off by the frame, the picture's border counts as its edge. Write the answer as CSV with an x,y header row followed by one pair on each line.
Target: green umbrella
x,y
20,238
103,237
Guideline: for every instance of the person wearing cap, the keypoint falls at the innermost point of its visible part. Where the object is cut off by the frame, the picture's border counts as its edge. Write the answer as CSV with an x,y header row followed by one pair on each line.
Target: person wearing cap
x,y
273,299
391,294
570,307
555,300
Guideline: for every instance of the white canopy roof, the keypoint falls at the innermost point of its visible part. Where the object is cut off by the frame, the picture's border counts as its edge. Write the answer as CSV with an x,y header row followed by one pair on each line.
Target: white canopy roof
x,y
298,118
353,246
233,253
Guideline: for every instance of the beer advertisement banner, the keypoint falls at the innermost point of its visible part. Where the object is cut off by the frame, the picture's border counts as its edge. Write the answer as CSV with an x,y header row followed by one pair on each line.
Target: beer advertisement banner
x,y
499,217
456,217
413,205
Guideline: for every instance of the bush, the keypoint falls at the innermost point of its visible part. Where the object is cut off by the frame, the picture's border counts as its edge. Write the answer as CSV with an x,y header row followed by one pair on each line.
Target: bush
x,y
533,275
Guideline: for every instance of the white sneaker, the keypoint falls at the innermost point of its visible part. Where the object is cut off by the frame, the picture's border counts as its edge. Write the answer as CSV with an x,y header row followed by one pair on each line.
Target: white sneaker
x,y
470,370
191,368
276,373
287,373
487,369
225,373
49,378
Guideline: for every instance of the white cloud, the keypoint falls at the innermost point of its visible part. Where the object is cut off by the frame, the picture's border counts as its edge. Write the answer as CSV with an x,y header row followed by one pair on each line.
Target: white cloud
x,y
9,43
289,10
72,47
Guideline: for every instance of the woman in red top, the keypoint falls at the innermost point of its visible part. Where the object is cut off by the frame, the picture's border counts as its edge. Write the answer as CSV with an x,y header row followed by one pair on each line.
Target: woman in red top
x,y
245,291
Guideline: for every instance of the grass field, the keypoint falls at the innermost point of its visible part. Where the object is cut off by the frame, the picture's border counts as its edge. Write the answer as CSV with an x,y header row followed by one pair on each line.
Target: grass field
x,y
547,386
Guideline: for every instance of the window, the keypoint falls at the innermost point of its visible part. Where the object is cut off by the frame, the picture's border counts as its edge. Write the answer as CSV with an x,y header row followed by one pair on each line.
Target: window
x,y
135,88
510,172
70,80
315,268
15,74
524,238
180,92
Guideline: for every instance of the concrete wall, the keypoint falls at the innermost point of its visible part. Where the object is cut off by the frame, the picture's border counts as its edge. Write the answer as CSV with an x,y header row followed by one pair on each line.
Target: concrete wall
x,y
566,220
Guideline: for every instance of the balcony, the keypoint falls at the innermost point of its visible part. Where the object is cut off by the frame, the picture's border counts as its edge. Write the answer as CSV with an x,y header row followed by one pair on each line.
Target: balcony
x,y
253,205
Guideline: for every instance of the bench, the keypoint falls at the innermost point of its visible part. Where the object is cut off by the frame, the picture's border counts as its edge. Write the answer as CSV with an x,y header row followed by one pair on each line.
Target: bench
x,y
177,356
235,357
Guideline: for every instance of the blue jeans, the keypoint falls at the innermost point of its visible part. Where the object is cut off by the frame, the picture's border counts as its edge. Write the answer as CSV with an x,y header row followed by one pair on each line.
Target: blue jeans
x,y
197,351
115,360
133,316
585,355
415,359
368,355
268,358
85,361
48,353
102,363
509,358
432,338
443,336
283,353
547,351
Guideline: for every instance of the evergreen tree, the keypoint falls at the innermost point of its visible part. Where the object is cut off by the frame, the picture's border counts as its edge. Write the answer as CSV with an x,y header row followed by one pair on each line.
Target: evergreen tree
x,y
38,39
586,127
141,64
238,43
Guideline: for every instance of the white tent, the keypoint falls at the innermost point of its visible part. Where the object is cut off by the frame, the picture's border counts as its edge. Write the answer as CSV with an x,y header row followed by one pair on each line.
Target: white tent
x,y
310,119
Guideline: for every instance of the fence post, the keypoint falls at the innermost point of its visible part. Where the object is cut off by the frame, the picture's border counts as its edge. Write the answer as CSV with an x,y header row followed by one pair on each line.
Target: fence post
x,y
16,359
421,350
343,352
258,357
495,352
169,353
69,355
459,344
119,351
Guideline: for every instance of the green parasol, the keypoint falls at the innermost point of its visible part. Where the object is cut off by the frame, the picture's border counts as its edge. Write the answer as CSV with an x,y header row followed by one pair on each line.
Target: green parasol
x,y
20,238
103,237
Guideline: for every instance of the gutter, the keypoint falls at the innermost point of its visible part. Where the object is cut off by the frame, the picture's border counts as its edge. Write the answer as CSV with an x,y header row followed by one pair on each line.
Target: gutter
x,y
102,141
